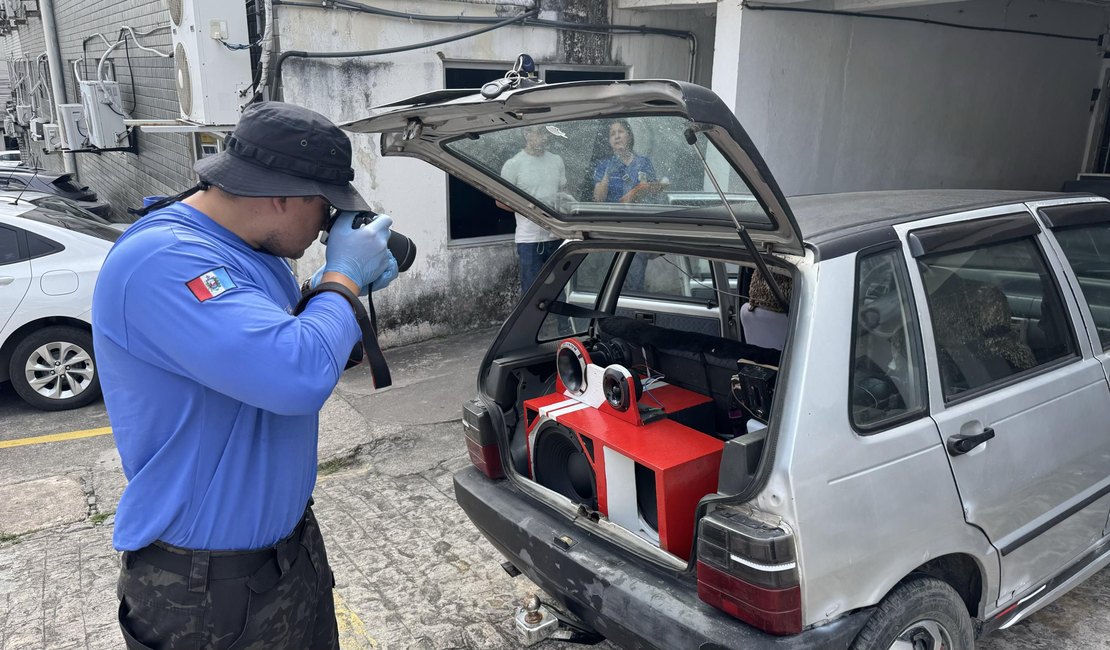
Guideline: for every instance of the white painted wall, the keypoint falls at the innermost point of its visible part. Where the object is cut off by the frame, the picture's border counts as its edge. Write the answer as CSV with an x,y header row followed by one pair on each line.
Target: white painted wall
x,y
452,284
839,103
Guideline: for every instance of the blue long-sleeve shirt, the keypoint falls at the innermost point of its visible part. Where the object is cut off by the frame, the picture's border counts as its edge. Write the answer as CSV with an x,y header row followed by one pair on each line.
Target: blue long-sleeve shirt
x,y
212,386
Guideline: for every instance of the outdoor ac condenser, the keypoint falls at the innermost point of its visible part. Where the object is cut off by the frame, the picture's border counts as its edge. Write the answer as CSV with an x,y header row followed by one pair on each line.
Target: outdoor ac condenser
x,y
104,114
51,137
75,129
209,75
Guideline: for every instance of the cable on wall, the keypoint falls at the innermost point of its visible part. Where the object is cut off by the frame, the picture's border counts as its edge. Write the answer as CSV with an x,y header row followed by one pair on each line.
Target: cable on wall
x,y
911,19
392,50
529,21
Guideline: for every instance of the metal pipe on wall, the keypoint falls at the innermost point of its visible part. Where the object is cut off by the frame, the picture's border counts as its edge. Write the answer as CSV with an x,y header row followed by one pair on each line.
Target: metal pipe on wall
x,y
57,81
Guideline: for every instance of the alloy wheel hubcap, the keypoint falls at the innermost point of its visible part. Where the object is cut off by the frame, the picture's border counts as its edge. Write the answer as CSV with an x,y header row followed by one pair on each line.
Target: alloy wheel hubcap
x,y
923,635
59,370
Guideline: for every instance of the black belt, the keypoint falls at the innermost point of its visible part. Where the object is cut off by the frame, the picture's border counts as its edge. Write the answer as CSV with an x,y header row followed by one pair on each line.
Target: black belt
x,y
222,565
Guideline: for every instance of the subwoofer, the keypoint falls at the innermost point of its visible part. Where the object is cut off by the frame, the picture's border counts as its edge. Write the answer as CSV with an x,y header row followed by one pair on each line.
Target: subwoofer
x,y
562,464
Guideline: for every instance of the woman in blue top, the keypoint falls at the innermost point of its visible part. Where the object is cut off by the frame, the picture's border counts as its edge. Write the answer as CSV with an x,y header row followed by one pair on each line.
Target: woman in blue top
x,y
624,175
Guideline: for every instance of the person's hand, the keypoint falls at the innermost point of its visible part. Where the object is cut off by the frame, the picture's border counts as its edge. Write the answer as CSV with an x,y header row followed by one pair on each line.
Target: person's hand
x,y
361,254
384,278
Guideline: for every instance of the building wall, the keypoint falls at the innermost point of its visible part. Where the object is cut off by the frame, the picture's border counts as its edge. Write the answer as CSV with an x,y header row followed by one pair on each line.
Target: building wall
x,y
837,103
454,285
163,164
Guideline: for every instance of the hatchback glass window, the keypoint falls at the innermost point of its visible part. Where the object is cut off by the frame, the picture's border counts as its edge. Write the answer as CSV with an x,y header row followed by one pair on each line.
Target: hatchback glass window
x,y
634,166
581,290
81,225
887,379
1087,249
996,312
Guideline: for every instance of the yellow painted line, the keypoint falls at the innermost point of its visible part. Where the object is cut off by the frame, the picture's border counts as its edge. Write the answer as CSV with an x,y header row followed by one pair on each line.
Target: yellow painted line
x,y
352,631
56,437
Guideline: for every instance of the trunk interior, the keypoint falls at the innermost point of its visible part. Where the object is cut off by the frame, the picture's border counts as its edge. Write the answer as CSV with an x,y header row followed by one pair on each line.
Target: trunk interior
x,y
640,387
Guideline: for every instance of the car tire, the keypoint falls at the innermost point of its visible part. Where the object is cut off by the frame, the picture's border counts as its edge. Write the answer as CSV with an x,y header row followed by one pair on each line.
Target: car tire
x,y
65,351
921,612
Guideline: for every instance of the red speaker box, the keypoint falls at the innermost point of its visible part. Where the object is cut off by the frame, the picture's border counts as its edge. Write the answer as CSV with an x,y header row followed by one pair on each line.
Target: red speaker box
x,y
640,467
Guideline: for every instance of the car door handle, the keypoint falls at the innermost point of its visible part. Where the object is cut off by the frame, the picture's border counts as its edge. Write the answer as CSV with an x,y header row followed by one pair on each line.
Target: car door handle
x,y
6,280
962,443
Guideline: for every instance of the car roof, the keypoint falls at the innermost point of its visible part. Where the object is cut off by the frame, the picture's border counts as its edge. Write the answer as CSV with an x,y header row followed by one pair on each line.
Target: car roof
x,y
837,224
30,171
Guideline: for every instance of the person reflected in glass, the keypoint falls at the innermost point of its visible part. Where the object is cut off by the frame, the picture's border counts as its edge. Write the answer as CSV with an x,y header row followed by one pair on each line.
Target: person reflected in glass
x,y
542,175
626,176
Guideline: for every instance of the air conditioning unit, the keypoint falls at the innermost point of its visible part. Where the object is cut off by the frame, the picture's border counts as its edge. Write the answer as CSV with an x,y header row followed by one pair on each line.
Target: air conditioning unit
x,y
35,127
75,129
104,113
209,75
23,114
52,137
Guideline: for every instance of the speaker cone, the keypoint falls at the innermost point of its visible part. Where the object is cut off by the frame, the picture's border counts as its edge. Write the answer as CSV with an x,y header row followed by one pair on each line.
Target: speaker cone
x,y
560,464
571,365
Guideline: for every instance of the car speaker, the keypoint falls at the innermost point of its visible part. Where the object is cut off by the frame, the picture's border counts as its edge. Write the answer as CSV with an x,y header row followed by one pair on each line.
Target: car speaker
x,y
619,386
571,361
560,463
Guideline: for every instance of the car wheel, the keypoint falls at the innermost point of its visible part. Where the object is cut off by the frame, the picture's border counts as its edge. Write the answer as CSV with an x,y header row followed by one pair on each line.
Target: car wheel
x,y
919,614
53,369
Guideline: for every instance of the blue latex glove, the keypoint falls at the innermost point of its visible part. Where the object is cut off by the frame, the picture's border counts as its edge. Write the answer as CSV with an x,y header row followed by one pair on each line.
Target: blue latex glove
x,y
387,276
360,254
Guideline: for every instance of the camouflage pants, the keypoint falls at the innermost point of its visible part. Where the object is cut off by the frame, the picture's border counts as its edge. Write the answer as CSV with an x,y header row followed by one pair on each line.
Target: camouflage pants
x,y
279,598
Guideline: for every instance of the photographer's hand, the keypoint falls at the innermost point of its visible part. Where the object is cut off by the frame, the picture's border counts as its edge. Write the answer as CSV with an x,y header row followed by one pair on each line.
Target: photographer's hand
x,y
388,275
359,255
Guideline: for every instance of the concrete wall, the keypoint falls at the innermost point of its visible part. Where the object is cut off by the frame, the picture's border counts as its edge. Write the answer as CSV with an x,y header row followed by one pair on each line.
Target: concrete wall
x,y
454,285
839,103
164,162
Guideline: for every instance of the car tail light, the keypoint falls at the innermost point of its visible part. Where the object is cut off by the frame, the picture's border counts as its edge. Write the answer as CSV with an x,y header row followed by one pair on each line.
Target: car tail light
x,y
481,443
747,569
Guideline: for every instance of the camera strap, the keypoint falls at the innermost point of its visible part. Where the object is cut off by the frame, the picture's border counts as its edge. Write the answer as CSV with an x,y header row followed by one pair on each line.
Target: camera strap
x,y
372,352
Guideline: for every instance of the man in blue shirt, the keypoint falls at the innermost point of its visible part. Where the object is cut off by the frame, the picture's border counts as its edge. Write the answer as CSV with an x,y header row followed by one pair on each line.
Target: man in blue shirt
x,y
213,387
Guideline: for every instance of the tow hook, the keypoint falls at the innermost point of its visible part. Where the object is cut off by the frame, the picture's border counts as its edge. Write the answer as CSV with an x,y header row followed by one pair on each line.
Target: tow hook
x,y
538,622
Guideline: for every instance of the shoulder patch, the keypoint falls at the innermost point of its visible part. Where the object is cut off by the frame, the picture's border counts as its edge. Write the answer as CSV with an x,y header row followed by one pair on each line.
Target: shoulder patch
x,y
211,284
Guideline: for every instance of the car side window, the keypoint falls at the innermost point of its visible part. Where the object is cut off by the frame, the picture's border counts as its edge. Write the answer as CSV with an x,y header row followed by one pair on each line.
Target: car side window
x,y
9,246
996,312
666,276
1087,249
887,377
582,290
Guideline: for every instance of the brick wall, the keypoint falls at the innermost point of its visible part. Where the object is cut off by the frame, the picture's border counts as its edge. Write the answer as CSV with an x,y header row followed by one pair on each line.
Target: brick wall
x,y
163,164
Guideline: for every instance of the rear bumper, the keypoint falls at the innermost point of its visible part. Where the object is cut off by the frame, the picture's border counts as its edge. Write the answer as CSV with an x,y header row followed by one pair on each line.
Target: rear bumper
x,y
629,602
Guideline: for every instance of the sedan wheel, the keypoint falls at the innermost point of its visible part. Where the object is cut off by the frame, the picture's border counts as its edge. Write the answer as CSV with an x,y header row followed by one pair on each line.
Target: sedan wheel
x,y
53,369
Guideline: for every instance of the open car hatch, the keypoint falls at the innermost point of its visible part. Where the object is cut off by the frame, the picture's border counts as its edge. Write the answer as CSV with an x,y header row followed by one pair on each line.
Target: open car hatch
x,y
669,191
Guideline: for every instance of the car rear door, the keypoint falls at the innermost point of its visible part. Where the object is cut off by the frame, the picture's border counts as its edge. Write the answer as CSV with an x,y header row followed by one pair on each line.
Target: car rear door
x,y
693,168
15,274
1020,400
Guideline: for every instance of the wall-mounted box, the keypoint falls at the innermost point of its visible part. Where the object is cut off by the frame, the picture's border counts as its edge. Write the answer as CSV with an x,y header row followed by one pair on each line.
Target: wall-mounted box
x,y
104,114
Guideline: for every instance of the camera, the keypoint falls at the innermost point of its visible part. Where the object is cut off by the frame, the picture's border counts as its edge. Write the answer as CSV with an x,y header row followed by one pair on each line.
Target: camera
x,y
401,247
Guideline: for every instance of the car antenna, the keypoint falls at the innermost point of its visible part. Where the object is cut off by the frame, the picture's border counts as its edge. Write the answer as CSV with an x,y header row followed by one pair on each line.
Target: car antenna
x,y
772,281
25,185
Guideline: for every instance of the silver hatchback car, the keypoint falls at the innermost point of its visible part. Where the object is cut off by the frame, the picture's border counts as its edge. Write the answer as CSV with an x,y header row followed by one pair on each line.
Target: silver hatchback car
x,y
724,419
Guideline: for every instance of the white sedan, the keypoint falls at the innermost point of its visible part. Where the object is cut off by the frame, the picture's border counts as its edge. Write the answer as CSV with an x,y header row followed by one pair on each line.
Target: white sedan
x,y
49,262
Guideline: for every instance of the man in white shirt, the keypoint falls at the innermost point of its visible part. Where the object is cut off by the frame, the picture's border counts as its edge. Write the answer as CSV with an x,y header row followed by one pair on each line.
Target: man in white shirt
x,y
540,174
